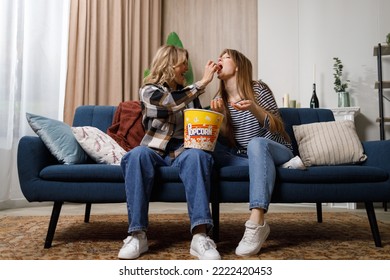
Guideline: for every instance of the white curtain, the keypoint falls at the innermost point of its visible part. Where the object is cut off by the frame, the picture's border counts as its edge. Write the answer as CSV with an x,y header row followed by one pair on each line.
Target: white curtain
x,y
33,55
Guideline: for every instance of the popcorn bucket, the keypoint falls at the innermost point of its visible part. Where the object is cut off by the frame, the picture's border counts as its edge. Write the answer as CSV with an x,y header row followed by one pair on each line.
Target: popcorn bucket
x,y
201,128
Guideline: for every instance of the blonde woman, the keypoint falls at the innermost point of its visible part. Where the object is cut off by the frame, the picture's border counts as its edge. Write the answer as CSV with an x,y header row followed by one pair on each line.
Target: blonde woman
x,y
164,96
255,137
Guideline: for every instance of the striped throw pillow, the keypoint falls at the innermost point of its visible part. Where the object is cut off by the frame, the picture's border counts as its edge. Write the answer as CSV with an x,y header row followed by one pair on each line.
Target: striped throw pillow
x,y
329,143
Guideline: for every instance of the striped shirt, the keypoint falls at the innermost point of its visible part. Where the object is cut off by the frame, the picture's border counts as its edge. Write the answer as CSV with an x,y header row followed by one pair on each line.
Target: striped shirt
x,y
246,126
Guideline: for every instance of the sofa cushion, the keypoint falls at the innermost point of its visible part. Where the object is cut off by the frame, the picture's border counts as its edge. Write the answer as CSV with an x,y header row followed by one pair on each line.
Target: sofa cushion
x,y
82,173
58,138
329,143
98,145
313,175
94,115
100,173
333,174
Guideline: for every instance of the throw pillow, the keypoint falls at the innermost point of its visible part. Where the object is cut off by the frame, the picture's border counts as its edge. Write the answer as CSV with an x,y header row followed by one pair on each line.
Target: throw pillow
x,y
58,138
329,143
98,145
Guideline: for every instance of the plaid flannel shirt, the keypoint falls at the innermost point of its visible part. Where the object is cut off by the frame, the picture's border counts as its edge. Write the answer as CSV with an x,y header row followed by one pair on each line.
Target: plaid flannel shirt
x,y
159,106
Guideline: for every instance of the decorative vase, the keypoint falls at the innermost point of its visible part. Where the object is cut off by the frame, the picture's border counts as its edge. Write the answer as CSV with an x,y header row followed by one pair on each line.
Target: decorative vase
x,y
343,99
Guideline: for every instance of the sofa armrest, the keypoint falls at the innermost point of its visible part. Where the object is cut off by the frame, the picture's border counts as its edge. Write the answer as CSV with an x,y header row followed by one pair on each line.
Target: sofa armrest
x,y
32,157
377,154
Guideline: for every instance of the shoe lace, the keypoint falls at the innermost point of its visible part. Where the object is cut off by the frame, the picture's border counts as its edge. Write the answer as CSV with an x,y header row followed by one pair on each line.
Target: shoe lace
x,y
128,240
249,234
207,243
131,240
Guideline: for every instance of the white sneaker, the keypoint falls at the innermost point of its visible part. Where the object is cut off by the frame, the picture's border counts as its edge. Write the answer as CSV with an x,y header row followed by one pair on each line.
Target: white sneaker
x,y
253,238
133,246
204,247
294,163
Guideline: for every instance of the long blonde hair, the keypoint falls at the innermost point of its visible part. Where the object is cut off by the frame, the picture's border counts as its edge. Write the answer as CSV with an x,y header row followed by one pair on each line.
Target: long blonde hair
x,y
245,87
164,61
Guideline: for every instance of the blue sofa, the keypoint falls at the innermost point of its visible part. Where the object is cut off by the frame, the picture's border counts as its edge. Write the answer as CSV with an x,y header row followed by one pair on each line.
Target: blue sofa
x,y
43,178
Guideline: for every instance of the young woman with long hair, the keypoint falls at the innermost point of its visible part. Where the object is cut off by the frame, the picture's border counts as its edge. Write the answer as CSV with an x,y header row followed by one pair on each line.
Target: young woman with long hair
x,y
164,96
254,136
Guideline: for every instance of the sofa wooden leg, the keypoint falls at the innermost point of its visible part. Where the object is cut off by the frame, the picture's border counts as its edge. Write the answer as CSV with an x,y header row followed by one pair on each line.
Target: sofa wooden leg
x,y
87,212
319,212
373,223
55,214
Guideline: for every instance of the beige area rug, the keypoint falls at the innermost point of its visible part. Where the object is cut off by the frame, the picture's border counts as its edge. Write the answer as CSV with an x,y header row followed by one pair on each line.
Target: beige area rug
x,y
294,236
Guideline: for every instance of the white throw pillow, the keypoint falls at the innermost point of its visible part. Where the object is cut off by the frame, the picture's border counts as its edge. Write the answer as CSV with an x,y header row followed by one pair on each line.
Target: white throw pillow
x,y
98,145
329,143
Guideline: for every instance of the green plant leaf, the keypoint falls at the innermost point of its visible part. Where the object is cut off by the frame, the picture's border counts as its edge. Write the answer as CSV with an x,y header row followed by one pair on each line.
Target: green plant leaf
x,y
174,40
146,72
339,86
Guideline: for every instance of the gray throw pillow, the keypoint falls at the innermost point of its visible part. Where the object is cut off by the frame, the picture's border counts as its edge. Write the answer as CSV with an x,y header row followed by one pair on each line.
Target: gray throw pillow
x,y
58,138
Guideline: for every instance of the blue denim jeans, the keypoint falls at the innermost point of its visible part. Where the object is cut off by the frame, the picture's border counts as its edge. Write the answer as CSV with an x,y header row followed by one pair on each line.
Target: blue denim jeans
x,y
262,156
139,167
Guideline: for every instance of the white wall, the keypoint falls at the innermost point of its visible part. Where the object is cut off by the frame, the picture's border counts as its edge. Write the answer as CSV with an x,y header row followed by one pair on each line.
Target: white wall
x,y
296,34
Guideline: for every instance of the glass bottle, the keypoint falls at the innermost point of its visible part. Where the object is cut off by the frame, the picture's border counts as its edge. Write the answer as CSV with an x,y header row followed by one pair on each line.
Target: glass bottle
x,y
314,99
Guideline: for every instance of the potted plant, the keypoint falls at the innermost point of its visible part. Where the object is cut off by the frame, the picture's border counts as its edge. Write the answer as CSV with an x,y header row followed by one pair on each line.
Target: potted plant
x,y
340,86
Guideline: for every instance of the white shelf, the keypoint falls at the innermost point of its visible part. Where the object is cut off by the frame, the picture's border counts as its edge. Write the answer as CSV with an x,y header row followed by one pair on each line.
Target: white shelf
x,y
385,50
385,84
345,113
